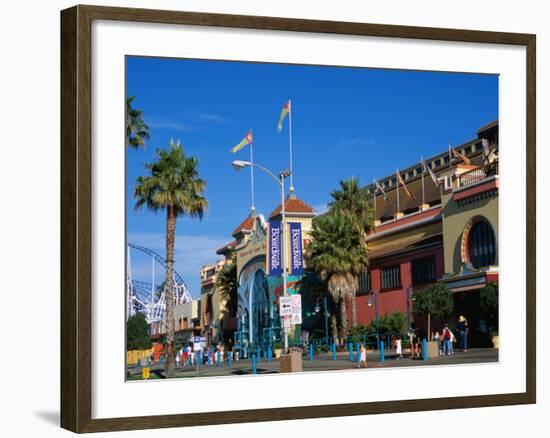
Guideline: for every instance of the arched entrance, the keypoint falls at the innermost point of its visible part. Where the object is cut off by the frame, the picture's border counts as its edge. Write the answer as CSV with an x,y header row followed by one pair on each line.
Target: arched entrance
x,y
259,308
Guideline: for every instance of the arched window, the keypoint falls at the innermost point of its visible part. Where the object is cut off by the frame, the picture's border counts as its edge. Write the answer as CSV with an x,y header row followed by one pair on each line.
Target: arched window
x,y
481,245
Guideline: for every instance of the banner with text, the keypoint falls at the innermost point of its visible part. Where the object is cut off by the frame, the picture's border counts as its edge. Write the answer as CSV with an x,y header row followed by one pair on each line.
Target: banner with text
x,y
296,254
274,259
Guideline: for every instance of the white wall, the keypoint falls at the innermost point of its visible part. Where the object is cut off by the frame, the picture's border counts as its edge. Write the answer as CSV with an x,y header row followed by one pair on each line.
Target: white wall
x,y
29,230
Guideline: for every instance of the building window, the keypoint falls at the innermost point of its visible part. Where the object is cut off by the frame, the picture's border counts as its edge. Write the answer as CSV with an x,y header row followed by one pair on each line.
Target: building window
x,y
481,245
423,270
468,150
391,277
446,159
364,284
437,163
418,170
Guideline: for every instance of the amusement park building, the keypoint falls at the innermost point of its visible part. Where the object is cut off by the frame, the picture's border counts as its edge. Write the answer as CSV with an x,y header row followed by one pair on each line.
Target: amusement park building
x,y
448,234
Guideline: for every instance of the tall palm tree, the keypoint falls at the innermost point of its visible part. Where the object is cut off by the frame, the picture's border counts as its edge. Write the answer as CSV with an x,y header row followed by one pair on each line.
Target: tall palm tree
x,y
337,254
355,200
174,185
137,131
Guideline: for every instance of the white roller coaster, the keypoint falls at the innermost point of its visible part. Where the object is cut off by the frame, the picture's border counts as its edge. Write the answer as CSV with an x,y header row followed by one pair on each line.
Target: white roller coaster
x,y
150,298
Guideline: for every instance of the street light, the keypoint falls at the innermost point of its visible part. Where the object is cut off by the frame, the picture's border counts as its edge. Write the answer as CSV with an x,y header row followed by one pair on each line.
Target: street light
x,y
369,303
240,164
317,309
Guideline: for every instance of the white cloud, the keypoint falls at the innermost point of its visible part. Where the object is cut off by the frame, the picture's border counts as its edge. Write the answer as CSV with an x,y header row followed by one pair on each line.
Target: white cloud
x,y
156,123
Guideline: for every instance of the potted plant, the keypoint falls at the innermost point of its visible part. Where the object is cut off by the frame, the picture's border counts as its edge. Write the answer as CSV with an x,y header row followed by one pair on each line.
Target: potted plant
x,y
277,350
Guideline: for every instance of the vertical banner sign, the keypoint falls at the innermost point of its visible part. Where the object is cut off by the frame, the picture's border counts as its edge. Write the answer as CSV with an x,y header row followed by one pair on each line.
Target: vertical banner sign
x,y
274,249
296,254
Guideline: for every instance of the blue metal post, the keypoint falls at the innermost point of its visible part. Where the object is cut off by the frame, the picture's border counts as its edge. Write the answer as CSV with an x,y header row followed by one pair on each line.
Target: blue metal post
x,y
310,352
229,358
382,352
138,363
269,354
407,291
208,358
377,321
259,353
161,358
333,351
253,364
425,349
358,352
199,359
219,359
350,352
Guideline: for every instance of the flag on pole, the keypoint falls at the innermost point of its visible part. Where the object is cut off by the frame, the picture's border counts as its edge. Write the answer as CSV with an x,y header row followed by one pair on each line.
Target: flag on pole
x,y
430,172
284,112
381,190
460,155
245,141
400,181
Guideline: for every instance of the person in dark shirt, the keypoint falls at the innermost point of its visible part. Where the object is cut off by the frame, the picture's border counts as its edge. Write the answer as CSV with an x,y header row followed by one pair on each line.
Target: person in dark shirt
x,y
462,328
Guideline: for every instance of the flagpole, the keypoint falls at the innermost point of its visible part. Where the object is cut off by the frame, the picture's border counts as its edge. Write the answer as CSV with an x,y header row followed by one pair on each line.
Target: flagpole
x,y
397,181
450,156
374,186
290,145
253,207
423,195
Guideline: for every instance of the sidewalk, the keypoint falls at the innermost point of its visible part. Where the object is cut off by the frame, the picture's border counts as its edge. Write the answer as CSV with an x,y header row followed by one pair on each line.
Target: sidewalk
x,y
322,362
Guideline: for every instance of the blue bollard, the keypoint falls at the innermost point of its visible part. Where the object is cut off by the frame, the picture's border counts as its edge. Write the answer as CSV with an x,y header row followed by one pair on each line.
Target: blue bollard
x,y
208,357
382,352
269,353
350,348
253,364
359,355
219,359
161,358
148,362
259,355
333,351
138,363
310,352
357,352
425,349
199,356
229,358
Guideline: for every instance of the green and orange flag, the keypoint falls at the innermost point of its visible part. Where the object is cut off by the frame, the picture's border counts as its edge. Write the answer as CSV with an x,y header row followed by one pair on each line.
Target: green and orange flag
x,y
284,112
245,141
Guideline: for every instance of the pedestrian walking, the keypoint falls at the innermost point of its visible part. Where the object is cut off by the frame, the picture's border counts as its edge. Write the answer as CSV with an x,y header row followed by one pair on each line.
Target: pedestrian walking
x,y
437,339
462,328
446,342
363,356
398,347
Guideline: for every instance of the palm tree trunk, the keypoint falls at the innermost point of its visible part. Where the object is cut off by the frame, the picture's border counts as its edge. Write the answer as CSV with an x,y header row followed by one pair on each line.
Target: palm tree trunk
x,y
170,364
334,326
353,311
343,318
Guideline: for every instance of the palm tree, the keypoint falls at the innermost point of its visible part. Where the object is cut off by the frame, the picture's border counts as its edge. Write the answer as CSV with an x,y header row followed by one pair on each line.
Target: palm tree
x,y
338,256
355,200
226,282
137,130
174,185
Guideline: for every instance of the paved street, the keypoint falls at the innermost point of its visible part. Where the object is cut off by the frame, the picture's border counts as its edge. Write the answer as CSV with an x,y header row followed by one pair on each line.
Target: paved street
x,y
323,362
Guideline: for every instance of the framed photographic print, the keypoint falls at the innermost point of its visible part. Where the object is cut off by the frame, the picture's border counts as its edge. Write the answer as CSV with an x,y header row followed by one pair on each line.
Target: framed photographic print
x,y
261,208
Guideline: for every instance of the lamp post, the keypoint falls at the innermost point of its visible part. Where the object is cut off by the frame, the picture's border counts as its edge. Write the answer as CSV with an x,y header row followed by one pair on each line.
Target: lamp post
x,y
238,165
369,303
317,310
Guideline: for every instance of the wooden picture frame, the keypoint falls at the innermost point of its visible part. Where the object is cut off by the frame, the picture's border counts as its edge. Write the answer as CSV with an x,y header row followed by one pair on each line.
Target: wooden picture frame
x,y
76,217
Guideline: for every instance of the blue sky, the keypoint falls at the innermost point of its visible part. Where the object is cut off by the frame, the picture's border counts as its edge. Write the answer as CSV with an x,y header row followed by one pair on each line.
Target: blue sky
x,y
346,122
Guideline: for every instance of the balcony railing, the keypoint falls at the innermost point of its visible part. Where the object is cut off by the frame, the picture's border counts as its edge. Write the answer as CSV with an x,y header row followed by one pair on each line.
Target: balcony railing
x,y
476,175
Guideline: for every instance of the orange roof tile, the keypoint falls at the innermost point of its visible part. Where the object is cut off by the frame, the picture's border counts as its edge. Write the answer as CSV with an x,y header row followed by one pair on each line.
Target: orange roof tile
x,y
293,205
245,225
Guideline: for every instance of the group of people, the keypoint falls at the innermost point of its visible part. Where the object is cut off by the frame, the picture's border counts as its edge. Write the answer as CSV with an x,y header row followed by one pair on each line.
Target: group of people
x,y
446,339
187,356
